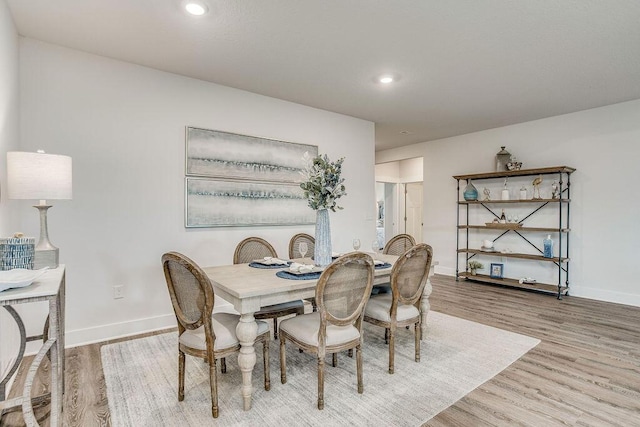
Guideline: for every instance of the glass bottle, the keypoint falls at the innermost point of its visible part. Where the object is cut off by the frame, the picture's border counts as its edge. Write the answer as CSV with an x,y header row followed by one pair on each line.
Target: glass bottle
x,y
548,247
470,192
503,218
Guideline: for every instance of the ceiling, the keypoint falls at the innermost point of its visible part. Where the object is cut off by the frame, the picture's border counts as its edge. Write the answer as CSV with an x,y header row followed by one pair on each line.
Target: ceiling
x,y
463,65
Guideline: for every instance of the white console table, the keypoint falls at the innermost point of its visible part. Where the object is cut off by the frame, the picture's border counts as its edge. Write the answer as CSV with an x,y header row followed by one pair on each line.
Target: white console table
x,y
49,287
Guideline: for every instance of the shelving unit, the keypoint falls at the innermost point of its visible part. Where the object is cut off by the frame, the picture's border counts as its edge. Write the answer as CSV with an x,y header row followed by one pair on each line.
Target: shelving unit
x,y
561,228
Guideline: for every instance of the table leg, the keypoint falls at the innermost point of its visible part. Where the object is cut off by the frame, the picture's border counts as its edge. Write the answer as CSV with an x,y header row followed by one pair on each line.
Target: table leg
x,y
425,306
247,331
56,395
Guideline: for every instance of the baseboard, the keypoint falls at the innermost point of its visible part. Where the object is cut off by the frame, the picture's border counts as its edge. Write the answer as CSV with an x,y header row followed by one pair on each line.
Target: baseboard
x,y
78,337
577,291
605,295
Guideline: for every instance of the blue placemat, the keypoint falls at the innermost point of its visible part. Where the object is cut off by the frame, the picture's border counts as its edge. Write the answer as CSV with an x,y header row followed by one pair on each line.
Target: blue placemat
x,y
382,266
258,265
290,276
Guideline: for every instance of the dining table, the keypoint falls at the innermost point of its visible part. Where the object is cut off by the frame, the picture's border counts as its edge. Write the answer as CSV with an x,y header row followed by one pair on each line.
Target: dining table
x,y
248,289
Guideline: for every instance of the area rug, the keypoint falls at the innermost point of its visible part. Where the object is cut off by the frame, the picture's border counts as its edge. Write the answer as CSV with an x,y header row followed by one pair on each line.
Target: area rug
x,y
457,356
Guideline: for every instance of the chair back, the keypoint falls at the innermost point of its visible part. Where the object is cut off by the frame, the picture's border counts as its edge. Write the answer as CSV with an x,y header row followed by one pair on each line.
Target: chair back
x,y
409,275
294,245
343,290
253,248
190,291
399,244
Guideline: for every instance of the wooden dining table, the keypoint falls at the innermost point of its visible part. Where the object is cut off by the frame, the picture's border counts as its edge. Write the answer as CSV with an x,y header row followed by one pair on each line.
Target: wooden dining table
x,y
248,288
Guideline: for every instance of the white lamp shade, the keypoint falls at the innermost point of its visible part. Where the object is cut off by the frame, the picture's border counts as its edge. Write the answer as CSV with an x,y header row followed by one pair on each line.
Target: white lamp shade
x,y
38,176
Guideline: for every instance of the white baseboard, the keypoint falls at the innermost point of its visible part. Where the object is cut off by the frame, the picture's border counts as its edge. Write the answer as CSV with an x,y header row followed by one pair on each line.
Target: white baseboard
x,y
78,337
605,295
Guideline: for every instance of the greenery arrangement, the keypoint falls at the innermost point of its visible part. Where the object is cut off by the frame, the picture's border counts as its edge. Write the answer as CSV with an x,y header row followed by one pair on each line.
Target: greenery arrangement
x,y
475,265
322,183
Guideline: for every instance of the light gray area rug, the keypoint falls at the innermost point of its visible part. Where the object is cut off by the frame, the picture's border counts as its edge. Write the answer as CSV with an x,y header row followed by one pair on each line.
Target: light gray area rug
x,y
458,355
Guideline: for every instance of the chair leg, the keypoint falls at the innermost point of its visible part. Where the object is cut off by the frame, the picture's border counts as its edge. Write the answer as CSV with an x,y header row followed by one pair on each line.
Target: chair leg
x,y
359,368
334,359
321,381
223,365
275,328
392,344
180,376
265,361
418,338
213,381
283,361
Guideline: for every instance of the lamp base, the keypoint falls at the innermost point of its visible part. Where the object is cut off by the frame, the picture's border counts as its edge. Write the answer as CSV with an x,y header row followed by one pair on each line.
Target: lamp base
x,y
45,258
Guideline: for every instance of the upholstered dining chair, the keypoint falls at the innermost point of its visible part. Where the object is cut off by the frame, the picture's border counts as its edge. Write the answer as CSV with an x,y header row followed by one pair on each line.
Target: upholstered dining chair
x,y
294,252
253,248
202,333
342,292
399,244
294,245
402,306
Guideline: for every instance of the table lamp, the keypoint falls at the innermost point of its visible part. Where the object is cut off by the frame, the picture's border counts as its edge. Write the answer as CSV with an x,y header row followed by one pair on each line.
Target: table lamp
x,y
43,177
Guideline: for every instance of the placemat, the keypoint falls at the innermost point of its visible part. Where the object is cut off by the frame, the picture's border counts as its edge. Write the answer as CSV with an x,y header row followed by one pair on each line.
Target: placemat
x,y
258,265
291,276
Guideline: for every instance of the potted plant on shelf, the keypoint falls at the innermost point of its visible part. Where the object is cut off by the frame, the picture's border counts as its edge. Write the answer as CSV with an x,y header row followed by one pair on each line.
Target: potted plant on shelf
x,y
475,265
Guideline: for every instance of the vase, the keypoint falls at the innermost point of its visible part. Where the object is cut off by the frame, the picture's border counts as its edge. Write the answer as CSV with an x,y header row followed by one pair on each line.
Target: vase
x,y
470,192
473,271
322,251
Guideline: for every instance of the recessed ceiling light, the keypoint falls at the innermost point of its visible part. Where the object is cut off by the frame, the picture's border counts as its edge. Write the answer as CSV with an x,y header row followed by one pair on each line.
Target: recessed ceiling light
x,y
386,79
196,8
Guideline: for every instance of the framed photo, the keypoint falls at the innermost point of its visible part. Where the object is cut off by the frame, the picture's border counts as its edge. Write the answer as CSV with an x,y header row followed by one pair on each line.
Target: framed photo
x,y
225,203
497,271
217,154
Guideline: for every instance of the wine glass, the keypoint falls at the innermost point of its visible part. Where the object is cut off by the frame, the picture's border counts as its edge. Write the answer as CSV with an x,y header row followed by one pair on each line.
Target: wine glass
x,y
375,246
356,244
303,248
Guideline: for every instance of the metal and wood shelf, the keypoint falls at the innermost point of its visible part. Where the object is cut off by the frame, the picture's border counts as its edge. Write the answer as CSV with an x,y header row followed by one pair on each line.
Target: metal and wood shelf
x,y
560,227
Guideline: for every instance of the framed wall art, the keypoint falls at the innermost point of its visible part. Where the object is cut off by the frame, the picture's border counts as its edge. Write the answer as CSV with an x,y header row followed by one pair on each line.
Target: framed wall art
x,y
223,203
497,271
217,154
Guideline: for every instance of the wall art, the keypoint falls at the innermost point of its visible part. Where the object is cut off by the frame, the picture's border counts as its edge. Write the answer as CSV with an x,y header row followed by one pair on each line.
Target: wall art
x,y
227,203
217,154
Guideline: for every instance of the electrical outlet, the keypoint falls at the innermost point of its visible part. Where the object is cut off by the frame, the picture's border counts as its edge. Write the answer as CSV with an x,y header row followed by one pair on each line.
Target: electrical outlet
x,y
118,291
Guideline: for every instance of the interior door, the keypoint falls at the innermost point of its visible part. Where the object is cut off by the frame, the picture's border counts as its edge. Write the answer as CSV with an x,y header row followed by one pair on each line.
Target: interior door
x,y
413,210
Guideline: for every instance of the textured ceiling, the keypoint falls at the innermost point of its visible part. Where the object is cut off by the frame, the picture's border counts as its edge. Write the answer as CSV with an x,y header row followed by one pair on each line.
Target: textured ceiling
x,y
464,65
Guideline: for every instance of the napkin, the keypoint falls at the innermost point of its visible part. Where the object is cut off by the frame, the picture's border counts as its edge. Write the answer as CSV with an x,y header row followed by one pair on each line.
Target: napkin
x,y
273,261
301,268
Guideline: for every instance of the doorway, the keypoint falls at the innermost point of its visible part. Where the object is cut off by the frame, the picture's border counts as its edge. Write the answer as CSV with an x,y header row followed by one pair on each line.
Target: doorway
x,y
399,199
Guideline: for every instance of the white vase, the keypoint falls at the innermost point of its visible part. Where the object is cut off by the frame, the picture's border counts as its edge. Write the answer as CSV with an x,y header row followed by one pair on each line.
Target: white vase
x,y
322,253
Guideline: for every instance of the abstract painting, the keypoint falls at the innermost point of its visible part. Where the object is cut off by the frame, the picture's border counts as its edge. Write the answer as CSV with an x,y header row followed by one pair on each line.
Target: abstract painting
x,y
217,154
224,203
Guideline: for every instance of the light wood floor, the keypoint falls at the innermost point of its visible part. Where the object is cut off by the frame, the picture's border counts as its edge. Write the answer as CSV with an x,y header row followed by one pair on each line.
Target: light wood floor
x,y
585,372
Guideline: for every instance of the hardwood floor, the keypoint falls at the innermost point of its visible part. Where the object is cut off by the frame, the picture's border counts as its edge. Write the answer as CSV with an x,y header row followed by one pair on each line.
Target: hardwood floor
x,y
585,371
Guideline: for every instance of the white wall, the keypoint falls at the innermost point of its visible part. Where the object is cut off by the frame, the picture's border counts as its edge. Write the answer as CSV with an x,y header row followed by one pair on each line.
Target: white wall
x,y
9,135
602,144
124,127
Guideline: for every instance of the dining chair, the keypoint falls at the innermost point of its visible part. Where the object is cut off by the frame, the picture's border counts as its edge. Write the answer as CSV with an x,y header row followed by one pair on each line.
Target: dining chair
x,y
294,252
294,244
396,246
342,292
202,333
402,306
399,244
253,248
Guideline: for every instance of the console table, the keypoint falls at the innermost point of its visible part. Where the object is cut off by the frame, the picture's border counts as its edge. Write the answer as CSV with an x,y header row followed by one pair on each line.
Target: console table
x,y
49,287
